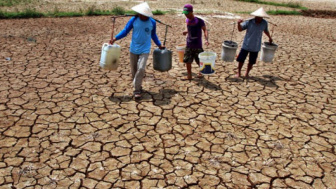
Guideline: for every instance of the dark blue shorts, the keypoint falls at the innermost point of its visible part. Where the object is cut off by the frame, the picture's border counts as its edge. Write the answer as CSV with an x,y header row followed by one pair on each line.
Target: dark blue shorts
x,y
243,54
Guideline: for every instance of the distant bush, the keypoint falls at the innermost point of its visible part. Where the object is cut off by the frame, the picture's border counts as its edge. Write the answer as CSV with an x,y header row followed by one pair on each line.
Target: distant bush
x,y
118,10
28,13
158,12
91,11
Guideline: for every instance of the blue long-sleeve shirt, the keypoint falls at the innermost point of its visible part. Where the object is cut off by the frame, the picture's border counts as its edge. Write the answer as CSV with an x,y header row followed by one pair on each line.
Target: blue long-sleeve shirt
x,y
143,32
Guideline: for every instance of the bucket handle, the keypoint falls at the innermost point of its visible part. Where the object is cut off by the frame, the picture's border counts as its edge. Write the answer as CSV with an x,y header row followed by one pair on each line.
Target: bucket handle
x,y
105,44
165,38
234,24
113,22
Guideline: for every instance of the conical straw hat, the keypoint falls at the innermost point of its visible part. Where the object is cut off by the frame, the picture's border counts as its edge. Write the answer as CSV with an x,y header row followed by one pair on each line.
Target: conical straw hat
x,y
260,13
143,8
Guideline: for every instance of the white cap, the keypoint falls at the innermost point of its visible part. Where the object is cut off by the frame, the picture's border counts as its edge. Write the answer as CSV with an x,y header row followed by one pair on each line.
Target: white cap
x,y
260,13
143,8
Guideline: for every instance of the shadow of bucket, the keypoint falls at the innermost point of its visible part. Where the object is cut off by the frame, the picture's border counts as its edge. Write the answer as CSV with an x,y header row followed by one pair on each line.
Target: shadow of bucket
x,y
207,62
229,51
268,51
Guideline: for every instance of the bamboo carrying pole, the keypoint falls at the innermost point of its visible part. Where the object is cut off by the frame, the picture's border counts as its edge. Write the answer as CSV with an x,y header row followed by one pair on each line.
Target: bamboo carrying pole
x,y
128,15
274,25
267,21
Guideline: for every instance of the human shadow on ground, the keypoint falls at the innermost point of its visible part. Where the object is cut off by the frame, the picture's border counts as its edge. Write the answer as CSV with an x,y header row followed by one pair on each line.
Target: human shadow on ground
x,y
208,84
235,79
162,98
124,98
266,80
203,81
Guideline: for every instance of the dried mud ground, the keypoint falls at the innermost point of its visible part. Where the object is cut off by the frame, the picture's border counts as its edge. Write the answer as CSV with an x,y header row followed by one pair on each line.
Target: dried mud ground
x,y
66,123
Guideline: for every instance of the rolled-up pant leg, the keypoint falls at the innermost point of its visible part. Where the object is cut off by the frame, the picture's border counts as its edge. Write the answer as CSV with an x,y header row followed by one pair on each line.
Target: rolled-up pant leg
x,y
138,69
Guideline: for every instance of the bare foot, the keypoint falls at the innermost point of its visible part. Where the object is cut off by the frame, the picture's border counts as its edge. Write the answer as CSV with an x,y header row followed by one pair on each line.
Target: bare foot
x,y
238,75
186,78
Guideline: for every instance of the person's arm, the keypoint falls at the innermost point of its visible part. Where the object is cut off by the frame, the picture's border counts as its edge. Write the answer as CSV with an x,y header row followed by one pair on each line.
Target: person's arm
x,y
123,33
268,34
206,36
185,32
154,35
240,28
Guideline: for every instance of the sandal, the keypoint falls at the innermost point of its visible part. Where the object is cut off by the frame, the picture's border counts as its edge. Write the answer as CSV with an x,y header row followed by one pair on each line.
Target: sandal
x,y
137,96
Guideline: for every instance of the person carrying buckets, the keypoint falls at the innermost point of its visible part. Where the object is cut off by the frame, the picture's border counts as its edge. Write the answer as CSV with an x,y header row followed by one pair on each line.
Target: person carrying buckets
x,y
144,29
252,41
194,47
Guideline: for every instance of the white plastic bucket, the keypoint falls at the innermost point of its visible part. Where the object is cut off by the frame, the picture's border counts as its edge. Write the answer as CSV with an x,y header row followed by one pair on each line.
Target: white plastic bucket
x,y
207,62
109,58
180,51
268,51
229,51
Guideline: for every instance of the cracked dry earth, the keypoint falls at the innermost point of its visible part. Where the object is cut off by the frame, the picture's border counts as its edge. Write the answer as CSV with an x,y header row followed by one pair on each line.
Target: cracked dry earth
x,y
65,123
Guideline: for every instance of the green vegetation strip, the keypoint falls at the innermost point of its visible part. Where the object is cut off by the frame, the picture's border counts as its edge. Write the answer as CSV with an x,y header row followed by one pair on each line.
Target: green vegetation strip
x,y
284,12
31,13
290,4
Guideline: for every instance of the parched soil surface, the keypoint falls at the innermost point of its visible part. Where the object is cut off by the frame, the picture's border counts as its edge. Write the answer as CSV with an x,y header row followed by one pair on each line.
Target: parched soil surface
x,y
200,6
66,123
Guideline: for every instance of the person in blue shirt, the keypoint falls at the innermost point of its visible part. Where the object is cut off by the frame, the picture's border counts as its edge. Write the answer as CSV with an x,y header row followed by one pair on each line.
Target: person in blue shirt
x,y
252,41
144,30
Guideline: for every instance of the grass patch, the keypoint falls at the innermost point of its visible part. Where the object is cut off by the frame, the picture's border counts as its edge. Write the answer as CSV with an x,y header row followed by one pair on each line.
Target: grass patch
x,y
118,11
290,4
158,12
284,12
28,13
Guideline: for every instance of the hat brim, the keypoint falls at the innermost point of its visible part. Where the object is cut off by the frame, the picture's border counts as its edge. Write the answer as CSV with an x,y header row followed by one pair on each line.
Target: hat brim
x,y
258,15
185,12
143,9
